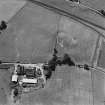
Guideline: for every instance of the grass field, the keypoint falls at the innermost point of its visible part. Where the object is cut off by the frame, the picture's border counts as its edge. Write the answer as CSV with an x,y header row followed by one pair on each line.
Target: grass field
x,y
97,4
78,40
30,35
9,7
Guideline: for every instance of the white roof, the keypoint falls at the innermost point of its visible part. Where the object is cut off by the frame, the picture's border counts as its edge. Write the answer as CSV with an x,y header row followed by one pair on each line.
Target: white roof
x,y
26,80
14,78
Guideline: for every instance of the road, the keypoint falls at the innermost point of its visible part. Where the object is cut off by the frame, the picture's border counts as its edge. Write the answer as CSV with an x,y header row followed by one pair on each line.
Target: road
x,y
78,12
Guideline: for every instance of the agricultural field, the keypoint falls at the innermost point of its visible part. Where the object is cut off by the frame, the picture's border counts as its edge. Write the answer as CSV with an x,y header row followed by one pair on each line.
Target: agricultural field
x,y
31,37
